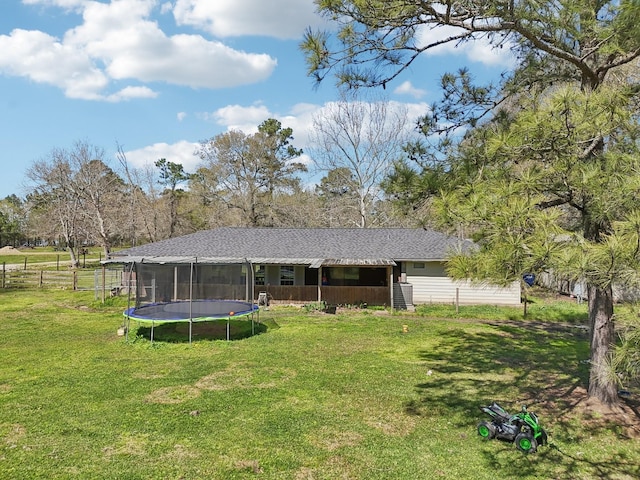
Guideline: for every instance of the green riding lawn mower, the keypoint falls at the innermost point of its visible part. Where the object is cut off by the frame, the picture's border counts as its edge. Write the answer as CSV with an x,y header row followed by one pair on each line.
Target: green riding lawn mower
x,y
523,428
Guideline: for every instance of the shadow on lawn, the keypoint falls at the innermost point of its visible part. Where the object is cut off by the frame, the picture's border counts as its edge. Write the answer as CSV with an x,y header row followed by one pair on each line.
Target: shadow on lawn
x,y
213,330
539,365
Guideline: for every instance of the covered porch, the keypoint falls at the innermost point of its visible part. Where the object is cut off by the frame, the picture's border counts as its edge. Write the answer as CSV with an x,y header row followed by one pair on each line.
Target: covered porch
x,y
339,282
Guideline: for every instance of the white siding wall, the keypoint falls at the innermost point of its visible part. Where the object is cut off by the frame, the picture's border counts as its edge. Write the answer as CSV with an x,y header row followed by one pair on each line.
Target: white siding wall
x,y
432,285
422,269
443,290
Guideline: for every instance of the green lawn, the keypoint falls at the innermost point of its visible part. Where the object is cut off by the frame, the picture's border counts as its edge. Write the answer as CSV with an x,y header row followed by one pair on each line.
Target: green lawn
x,y
315,396
40,256
35,258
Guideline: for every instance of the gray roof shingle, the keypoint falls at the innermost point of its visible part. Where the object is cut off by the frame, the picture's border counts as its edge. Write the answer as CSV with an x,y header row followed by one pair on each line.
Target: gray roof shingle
x,y
303,245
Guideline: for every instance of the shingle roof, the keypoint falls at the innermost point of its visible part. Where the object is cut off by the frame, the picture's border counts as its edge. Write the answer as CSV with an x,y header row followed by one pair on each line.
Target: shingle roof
x,y
326,246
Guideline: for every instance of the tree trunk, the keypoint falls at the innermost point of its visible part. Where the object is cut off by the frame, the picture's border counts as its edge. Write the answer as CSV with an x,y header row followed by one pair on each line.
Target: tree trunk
x,y
362,211
173,214
102,230
602,385
75,262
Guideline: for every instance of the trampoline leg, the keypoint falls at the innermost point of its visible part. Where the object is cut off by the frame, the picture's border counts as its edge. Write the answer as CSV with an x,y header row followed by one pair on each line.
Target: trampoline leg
x,y
228,329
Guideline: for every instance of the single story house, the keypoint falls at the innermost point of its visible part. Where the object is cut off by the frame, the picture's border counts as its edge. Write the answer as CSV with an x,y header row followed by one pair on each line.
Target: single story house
x,y
376,266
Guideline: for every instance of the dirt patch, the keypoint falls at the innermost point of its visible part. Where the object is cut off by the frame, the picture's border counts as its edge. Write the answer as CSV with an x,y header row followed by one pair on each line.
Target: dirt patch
x,y
576,404
179,453
305,473
335,467
12,433
128,445
8,250
173,395
245,377
392,424
624,415
249,465
330,439
148,376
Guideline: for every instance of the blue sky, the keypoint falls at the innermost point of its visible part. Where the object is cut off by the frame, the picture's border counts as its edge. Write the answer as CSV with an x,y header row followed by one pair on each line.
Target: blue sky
x,y
157,76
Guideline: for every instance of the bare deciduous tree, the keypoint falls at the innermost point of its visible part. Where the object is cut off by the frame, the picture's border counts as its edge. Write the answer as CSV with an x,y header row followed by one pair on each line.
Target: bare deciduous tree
x,y
81,191
98,188
53,197
142,201
356,143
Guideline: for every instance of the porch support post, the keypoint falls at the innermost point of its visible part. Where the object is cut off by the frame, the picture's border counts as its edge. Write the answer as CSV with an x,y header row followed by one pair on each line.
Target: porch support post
x,y
250,288
191,302
390,276
320,284
175,283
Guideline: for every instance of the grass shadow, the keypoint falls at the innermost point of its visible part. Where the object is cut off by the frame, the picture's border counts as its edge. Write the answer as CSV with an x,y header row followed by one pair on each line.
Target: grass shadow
x,y
211,330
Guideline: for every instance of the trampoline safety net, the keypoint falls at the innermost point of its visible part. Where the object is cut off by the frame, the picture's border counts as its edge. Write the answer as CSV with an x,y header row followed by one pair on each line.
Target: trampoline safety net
x,y
160,283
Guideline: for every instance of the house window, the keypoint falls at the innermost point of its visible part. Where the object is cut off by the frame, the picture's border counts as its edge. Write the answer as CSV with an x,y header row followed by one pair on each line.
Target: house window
x,y
286,275
418,265
259,273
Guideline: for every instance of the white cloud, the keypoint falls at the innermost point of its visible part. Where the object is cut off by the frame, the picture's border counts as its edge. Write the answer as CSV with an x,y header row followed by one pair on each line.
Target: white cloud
x,y
407,88
44,59
56,3
181,116
477,50
120,41
128,93
238,117
247,119
304,159
181,152
121,35
232,18
166,7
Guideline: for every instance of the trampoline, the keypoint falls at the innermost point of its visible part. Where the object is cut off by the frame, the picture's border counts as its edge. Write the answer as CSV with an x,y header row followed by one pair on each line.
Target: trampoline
x,y
189,291
185,311
191,311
